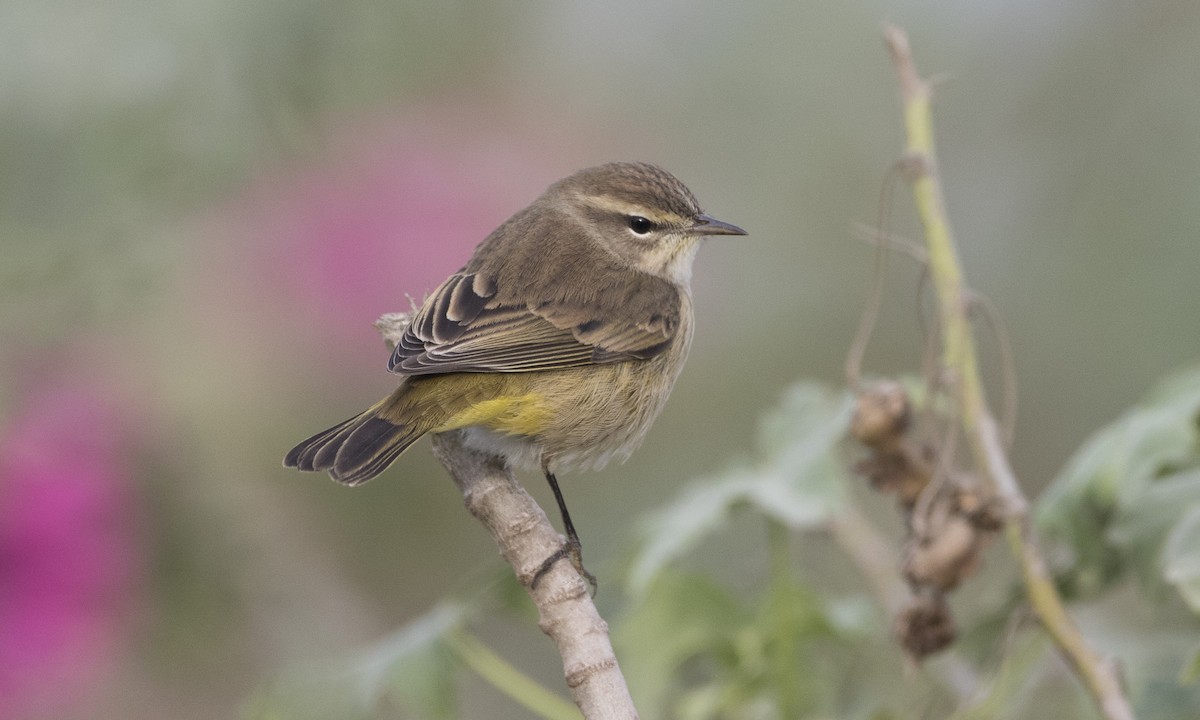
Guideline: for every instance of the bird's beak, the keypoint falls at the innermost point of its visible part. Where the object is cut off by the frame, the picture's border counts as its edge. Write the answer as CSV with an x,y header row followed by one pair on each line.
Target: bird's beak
x,y
707,225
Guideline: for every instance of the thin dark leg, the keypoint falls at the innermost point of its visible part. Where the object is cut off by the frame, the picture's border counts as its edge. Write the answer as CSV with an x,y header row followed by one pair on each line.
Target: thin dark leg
x,y
568,526
573,548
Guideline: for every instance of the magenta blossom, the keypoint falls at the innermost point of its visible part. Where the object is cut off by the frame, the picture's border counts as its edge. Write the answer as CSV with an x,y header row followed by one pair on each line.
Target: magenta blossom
x,y
388,210
67,549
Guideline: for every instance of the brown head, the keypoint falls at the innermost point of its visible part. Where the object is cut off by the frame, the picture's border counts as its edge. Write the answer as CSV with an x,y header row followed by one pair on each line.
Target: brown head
x,y
641,212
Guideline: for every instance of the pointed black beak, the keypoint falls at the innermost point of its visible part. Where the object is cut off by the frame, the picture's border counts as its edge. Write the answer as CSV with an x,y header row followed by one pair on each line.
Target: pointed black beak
x,y
708,225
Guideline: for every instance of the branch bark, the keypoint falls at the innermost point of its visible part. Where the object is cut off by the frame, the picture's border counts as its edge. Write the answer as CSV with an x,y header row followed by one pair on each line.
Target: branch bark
x,y
526,538
959,363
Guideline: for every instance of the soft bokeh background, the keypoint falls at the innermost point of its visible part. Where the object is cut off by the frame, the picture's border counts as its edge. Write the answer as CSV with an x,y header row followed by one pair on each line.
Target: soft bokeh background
x,y
205,204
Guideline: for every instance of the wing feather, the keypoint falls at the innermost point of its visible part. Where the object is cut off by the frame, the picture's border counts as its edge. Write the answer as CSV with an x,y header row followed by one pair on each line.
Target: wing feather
x,y
468,325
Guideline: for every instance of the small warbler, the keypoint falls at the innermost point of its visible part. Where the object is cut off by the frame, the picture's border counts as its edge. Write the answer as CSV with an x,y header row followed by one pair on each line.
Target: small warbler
x,y
556,345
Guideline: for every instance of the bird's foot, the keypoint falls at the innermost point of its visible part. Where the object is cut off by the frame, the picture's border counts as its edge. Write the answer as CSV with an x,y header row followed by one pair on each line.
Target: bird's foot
x,y
573,551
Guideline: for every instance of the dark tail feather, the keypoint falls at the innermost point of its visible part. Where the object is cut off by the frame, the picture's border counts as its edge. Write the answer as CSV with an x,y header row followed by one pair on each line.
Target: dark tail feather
x,y
356,450
370,448
304,455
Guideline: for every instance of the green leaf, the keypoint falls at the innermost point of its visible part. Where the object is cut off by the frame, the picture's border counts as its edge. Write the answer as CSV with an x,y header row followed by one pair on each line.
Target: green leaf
x,y
411,664
790,620
1006,693
702,703
1181,558
689,649
1106,509
1191,673
1156,436
802,479
674,530
510,681
1141,531
809,419
679,617
798,479
413,661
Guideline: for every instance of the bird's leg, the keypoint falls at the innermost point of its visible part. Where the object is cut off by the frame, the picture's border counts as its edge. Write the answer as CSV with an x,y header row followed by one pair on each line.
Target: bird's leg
x,y
573,549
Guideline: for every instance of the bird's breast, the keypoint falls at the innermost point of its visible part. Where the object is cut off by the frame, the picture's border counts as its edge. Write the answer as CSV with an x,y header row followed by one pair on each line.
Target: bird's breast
x,y
582,417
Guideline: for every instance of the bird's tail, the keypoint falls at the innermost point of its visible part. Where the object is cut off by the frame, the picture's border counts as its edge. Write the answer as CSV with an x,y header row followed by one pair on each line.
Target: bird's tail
x,y
358,449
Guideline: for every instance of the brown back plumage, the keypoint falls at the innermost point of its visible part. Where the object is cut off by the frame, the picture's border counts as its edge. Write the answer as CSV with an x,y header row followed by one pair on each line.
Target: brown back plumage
x,y
512,308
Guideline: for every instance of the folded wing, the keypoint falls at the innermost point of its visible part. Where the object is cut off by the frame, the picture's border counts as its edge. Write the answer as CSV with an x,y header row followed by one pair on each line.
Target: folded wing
x,y
471,325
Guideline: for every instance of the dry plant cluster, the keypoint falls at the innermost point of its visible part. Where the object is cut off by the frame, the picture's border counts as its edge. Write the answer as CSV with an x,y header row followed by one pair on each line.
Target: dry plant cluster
x,y
949,517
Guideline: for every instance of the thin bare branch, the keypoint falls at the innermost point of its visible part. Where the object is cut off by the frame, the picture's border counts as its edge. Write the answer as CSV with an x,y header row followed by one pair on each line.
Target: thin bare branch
x,y
1008,369
526,538
870,313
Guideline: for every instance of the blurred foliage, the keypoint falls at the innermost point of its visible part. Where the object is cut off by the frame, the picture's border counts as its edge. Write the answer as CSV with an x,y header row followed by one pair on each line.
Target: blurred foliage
x,y
412,668
1128,504
697,651
695,648
796,441
691,648
1129,500
182,185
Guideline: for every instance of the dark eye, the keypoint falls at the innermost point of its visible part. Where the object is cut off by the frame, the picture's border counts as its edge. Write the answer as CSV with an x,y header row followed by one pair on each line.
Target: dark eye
x,y
639,224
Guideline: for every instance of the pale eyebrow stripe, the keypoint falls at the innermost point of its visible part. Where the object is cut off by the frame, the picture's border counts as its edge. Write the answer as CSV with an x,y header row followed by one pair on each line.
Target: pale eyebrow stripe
x,y
612,204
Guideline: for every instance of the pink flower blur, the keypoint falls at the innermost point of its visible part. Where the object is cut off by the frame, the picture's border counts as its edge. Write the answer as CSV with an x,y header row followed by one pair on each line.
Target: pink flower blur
x,y
67,551
389,211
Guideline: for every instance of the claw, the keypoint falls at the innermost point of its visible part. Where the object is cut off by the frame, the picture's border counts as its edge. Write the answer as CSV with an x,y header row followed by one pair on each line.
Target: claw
x,y
573,551
572,548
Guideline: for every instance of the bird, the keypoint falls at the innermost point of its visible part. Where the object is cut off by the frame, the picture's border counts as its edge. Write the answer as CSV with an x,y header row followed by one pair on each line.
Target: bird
x,y
555,347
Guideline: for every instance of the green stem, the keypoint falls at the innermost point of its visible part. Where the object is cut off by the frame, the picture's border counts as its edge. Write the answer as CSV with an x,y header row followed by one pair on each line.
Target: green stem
x,y
960,365
500,674
784,667
781,558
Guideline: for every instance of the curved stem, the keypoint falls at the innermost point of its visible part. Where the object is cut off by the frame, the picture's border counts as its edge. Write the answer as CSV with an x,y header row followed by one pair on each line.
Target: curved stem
x,y
961,367
518,686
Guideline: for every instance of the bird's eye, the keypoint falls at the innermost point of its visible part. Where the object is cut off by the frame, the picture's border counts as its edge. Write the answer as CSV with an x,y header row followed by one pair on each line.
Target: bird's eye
x,y
639,224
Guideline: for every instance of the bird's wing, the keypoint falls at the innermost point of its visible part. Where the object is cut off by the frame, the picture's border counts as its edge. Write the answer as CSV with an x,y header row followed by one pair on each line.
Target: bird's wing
x,y
470,325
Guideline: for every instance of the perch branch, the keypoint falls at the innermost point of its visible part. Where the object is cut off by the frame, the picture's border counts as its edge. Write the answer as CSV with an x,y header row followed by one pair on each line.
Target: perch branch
x,y
526,538
958,360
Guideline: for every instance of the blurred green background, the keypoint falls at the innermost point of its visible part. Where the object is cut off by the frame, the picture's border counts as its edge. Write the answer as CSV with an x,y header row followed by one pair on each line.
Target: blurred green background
x,y
205,204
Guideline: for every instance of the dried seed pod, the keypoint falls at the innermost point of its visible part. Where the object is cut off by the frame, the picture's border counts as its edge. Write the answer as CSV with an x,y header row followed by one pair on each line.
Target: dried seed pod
x,y
903,472
882,414
925,626
988,515
945,555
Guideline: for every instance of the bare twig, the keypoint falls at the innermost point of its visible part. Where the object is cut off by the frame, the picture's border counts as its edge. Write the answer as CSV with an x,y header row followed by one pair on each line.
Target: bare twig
x,y
870,313
958,360
991,315
526,538
876,236
874,556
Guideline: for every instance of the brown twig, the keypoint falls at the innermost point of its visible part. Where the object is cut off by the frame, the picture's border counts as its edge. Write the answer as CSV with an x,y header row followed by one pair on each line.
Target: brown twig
x,y
958,361
991,316
870,314
526,538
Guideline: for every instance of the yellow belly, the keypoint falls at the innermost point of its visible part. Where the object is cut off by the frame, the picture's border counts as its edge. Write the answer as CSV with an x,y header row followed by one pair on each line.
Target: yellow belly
x,y
574,417
527,414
